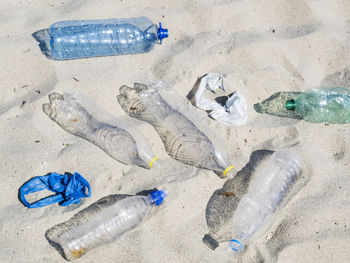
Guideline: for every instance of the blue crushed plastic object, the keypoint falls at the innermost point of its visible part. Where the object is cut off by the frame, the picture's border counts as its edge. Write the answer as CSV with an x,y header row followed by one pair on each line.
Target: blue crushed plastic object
x,y
158,197
231,244
69,188
162,33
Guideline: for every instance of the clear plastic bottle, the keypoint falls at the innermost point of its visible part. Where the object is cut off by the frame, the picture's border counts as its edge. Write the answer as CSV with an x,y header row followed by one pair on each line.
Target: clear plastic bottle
x,y
109,224
263,196
185,138
94,38
79,115
322,105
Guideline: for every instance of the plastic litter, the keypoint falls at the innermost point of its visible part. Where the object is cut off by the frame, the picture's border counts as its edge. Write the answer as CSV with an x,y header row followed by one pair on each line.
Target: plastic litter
x,y
109,223
181,130
322,105
263,196
233,112
105,37
316,105
79,115
276,105
69,189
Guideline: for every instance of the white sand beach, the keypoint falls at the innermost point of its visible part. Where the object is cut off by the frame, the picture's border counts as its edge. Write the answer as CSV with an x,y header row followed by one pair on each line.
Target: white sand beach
x,y
261,47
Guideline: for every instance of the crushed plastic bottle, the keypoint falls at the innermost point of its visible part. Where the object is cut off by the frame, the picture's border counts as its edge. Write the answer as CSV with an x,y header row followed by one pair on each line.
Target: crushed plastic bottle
x,y
79,115
106,37
110,223
184,137
330,105
264,196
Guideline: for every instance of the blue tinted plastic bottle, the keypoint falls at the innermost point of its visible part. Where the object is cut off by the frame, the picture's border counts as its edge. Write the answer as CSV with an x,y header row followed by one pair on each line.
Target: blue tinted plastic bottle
x,y
95,38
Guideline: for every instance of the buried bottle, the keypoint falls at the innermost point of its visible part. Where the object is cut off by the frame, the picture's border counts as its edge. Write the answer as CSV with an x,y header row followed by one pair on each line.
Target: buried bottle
x,y
109,224
322,105
263,196
94,38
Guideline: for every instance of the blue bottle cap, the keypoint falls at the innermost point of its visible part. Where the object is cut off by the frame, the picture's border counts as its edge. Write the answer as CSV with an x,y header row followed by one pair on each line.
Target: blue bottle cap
x,y
162,32
158,197
235,245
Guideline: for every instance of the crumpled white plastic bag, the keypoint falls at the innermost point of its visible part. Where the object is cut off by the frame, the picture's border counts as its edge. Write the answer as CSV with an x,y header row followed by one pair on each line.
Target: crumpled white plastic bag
x,y
234,112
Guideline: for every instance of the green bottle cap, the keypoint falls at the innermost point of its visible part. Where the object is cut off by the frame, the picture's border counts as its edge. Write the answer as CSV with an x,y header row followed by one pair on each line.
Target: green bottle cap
x,y
290,104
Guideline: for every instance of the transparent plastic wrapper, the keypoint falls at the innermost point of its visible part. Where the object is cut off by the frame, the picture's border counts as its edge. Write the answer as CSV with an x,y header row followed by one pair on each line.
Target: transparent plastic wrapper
x,y
263,196
105,37
108,224
80,116
316,105
185,138
232,112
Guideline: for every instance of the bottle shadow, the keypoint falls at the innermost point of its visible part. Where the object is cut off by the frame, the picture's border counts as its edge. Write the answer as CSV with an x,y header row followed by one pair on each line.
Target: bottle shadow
x,y
43,37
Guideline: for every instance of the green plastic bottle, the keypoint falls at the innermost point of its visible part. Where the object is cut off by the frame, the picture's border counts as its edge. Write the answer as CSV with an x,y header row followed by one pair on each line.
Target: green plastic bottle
x,y
330,105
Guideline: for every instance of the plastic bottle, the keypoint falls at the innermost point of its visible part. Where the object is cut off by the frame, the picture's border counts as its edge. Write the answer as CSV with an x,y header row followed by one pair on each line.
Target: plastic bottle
x,y
322,105
79,115
263,196
109,224
94,38
185,139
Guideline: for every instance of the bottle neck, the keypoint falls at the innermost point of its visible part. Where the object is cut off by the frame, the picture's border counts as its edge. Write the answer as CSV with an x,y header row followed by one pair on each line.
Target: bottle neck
x,y
149,200
151,33
290,105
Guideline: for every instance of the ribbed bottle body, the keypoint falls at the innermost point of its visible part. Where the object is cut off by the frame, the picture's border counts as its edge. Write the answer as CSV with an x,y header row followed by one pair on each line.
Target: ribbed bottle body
x,y
324,105
105,226
265,194
93,38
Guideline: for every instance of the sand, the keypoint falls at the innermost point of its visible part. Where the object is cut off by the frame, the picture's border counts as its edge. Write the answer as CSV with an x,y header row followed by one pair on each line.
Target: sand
x,y
260,46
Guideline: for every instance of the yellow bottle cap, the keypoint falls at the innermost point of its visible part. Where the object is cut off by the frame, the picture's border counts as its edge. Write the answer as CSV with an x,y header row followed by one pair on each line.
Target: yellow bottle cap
x,y
228,169
155,158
